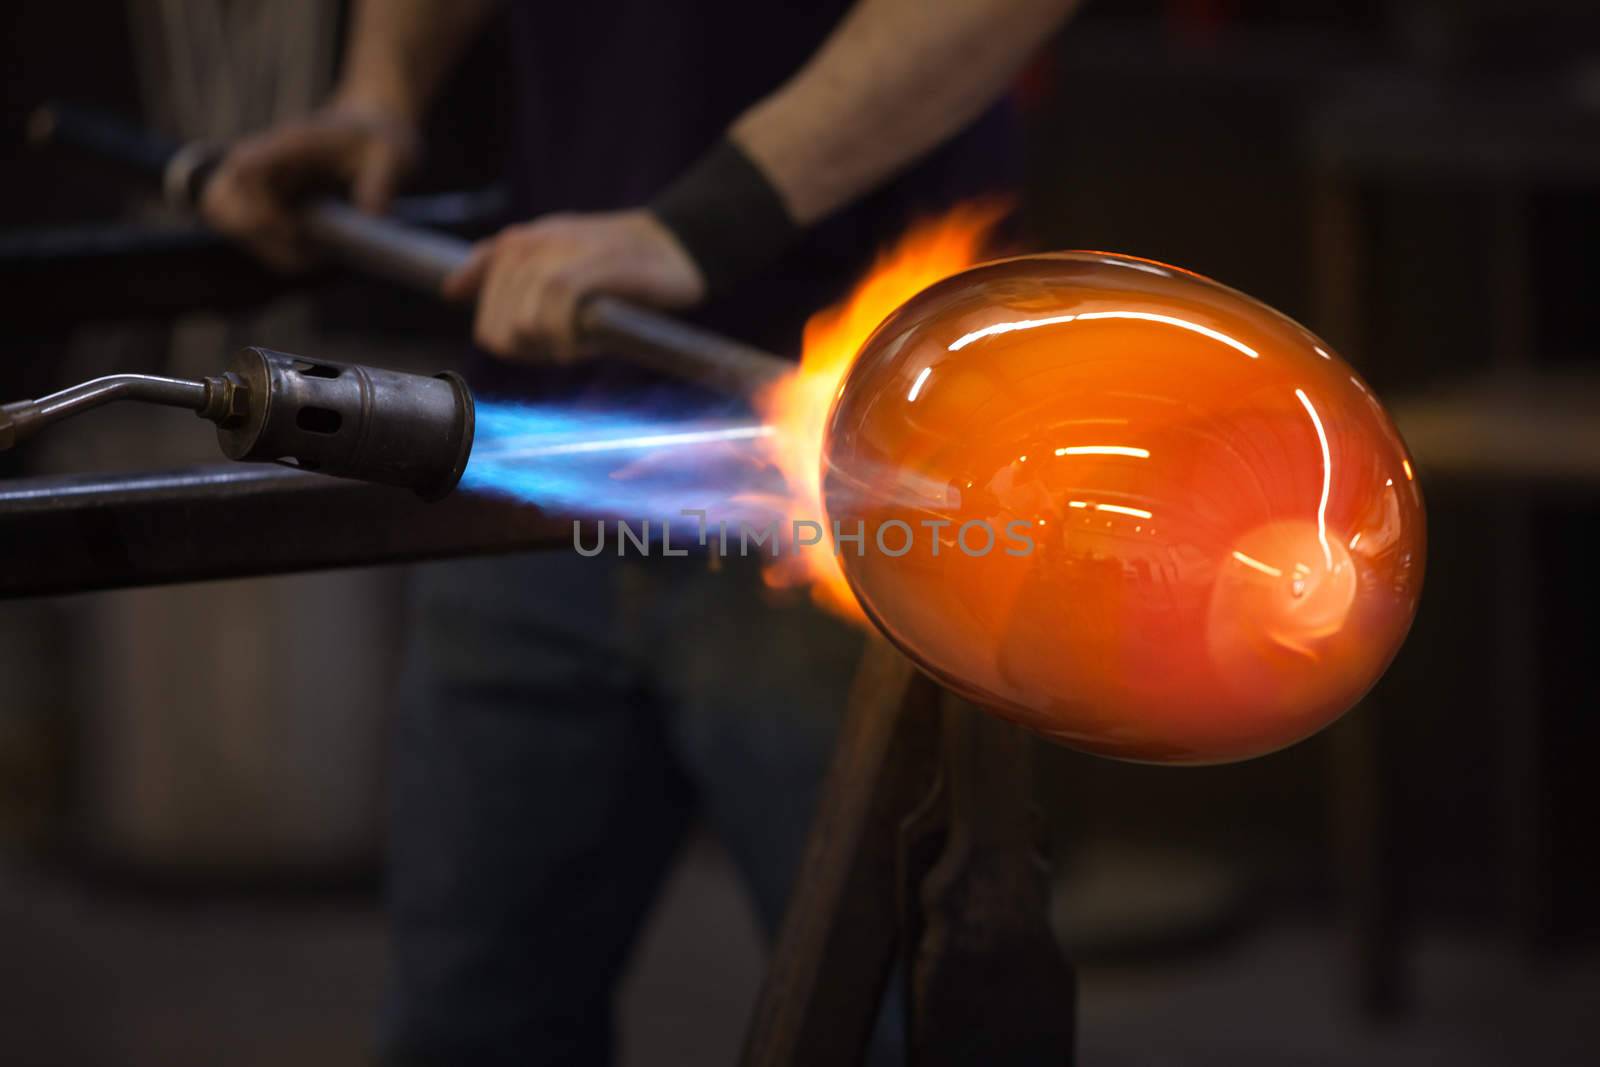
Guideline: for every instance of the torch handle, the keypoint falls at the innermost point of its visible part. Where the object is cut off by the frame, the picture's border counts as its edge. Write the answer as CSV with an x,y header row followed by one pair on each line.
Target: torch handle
x,y
420,259
21,420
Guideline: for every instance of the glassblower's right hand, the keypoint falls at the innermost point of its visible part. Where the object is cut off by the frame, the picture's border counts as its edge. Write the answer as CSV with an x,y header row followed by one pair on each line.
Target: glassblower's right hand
x,y
261,181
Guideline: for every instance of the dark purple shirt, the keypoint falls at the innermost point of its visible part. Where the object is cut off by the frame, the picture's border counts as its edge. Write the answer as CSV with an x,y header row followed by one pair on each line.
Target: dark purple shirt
x,y
615,98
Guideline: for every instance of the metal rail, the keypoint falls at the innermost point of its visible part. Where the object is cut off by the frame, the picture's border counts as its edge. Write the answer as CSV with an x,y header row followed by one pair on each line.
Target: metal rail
x,y
84,533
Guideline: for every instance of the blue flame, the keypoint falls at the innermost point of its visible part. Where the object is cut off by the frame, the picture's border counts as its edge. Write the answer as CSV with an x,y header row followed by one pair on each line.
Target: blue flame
x,y
622,462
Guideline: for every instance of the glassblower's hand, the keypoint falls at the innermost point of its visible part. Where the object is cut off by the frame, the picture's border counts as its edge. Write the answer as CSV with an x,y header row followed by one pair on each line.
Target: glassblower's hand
x,y
259,183
528,280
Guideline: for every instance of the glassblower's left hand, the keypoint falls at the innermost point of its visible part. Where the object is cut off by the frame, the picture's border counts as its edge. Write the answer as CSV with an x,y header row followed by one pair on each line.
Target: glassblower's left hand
x,y
529,279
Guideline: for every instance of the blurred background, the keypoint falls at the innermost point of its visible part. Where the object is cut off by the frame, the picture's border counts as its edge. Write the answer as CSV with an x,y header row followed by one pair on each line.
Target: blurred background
x,y
191,778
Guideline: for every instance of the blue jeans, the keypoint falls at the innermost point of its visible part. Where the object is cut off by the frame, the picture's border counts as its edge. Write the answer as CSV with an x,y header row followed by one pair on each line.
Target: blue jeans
x,y
562,721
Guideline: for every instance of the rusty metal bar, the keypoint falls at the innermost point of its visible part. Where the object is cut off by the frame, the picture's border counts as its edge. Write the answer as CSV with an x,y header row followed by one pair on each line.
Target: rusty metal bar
x,y
987,981
838,943
927,848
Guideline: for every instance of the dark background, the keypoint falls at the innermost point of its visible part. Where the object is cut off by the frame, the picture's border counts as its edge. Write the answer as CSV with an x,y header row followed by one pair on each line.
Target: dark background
x,y
188,875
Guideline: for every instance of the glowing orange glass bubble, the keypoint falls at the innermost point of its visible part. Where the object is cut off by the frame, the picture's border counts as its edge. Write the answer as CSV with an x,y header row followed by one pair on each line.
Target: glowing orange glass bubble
x,y
1148,516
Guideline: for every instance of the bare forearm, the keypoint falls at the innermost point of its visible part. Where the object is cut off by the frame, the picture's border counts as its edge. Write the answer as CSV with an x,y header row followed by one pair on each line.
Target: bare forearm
x,y
400,50
895,79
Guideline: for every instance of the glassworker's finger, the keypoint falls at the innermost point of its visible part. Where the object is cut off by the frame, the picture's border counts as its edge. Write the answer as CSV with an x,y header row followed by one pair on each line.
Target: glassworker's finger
x,y
466,281
527,299
376,177
497,301
555,317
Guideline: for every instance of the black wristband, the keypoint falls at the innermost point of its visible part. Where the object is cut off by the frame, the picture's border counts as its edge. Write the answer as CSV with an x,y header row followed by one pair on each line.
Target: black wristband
x,y
727,215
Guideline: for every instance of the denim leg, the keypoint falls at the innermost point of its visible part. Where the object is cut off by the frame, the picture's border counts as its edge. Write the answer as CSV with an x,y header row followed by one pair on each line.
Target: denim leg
x,y
536,806
758,693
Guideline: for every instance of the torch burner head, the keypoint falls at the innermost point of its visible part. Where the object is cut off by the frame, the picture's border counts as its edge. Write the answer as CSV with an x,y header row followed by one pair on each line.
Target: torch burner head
x,y
352,421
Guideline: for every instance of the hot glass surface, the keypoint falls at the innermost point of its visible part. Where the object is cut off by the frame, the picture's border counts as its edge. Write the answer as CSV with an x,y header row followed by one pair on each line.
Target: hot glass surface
x,y
1148,516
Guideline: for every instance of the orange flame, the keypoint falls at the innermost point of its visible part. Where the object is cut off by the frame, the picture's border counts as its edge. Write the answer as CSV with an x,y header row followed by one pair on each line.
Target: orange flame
x,y
798,405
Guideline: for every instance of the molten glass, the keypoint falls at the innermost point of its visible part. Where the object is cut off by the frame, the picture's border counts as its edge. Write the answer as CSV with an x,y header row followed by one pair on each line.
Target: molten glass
x,y
1125,506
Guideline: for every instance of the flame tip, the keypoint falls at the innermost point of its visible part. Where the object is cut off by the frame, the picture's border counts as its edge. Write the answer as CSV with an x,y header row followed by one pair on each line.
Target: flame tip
x,y
798,406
